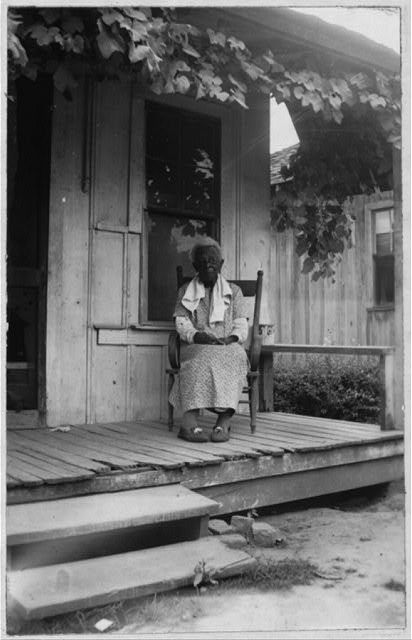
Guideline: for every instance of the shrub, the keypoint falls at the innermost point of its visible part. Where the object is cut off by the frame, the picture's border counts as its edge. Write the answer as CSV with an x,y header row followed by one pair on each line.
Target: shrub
x,y
329,388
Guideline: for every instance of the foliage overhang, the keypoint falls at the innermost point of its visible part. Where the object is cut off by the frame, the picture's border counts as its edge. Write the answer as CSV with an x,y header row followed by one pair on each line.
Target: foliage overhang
x,y
357,114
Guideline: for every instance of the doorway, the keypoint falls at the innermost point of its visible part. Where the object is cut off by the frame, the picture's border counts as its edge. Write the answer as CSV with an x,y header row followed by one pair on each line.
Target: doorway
x,y
28,181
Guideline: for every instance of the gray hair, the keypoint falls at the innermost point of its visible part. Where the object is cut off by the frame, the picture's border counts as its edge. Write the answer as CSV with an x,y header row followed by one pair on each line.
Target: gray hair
x,y
205,241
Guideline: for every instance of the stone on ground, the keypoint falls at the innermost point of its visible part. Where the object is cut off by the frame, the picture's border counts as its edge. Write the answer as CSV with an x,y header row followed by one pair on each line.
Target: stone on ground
x,y
242,525
219,527
234,540
264,535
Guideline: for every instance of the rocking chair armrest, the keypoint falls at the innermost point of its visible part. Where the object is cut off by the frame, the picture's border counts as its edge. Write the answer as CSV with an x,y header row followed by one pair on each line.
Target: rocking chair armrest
x,y
254,353
174,350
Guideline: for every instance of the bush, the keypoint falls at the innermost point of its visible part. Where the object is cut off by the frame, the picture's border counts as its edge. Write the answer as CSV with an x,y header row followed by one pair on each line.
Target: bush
x,y
329,388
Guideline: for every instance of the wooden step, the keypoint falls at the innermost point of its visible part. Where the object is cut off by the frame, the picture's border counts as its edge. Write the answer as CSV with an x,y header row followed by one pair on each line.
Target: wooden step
x,y
51,590
49,520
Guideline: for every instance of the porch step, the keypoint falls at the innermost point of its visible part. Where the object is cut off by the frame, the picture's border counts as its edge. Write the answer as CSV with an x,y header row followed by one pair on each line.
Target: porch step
x,y
50,520
51,590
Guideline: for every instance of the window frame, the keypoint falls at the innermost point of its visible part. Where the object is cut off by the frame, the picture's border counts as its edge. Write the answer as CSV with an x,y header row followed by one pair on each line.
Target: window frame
x,y
373,209
216,112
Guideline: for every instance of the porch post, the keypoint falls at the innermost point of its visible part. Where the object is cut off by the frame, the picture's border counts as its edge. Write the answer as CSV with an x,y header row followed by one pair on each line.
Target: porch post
x,y
399,293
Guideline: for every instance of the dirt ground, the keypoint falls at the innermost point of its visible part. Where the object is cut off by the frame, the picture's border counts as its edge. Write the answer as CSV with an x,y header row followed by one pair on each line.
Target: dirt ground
x,y
358,545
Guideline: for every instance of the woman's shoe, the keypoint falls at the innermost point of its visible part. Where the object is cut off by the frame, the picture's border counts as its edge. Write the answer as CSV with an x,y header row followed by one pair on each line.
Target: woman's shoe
x,y
192,434
221,433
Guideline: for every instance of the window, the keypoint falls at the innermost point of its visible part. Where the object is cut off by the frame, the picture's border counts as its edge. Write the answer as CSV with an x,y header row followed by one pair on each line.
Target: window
x,y
183,196
383,257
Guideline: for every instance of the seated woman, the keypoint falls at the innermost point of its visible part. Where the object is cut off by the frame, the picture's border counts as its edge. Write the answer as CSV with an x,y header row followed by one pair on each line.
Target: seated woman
x,y
211,321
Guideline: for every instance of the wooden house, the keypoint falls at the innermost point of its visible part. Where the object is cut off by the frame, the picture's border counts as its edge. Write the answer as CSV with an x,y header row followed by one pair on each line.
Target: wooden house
x,y
358,306
92,280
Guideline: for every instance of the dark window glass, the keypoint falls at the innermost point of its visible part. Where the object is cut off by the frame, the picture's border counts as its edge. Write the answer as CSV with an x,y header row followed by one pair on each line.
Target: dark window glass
x,y
183,200
384,280
383,257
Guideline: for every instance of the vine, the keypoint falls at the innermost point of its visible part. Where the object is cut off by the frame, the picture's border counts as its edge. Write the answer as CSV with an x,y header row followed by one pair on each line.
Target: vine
x,y
169,56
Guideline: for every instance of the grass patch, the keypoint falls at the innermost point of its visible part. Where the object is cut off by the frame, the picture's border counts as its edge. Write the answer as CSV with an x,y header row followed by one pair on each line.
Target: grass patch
x,y
275,575
135,613
394,585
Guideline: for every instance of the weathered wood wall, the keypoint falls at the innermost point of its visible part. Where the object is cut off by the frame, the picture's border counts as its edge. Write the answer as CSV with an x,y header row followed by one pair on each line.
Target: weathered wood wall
x,y
99,368
326,312
104,361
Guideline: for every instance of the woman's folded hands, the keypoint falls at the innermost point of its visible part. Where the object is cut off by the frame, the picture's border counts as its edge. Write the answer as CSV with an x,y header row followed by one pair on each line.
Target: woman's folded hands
x,y
201,337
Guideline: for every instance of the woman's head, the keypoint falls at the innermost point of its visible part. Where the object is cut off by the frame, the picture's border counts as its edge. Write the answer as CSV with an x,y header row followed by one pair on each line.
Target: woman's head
x,y
207,260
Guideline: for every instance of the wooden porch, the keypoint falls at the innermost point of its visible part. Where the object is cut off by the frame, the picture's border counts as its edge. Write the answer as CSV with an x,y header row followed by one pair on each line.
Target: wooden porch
x,y
289,457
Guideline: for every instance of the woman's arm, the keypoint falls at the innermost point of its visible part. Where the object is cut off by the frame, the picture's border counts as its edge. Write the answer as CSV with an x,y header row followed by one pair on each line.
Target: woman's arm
x,y
188,333
185,329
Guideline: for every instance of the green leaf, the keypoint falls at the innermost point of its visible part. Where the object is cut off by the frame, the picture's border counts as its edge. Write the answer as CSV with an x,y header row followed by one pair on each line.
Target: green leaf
x,y
78,44
136,54
236,44
308,265
182,84
239,97
216,37
191,51
298,92
376,101
63,79
223,96
335,101
240,85
137,14
197,579
107,44
110,16
16,49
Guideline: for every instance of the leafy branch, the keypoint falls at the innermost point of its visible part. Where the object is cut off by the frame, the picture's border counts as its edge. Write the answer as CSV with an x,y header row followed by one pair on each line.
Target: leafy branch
x,y
355,116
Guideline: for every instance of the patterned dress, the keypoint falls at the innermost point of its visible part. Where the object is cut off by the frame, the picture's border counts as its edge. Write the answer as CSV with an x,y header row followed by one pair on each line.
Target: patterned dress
x,y
211,376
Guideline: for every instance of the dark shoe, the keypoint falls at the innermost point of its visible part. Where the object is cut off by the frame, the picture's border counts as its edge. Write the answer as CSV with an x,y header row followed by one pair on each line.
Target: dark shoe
x,y
221,433
192,434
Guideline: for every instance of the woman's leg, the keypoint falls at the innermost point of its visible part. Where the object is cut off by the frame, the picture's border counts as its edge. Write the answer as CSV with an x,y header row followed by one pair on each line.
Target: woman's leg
x,y
221,430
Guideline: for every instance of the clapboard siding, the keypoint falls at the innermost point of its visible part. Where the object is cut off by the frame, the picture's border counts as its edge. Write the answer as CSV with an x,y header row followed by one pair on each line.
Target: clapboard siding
x,y
68,275
340,312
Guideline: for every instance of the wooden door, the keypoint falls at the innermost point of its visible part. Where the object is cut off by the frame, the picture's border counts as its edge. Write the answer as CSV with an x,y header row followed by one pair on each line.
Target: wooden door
x,y
29,124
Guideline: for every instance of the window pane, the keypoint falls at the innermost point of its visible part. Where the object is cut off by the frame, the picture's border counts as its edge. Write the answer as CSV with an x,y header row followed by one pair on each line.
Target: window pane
x,y
162,184
384,231
383,221
182,161
384,243
170,239
384,280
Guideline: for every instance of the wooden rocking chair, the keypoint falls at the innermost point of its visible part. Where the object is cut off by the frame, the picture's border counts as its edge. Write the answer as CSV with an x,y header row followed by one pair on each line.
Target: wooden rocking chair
x,y
250,288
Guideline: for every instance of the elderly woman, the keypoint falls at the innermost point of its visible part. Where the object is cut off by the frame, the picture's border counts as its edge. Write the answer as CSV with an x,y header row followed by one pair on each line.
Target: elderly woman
x,y
211,321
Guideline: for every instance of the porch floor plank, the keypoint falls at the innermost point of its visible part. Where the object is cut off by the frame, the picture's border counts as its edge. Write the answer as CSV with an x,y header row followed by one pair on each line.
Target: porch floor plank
x,y
53,453
61,472
227,450
109,453
146,453
168,452
53,448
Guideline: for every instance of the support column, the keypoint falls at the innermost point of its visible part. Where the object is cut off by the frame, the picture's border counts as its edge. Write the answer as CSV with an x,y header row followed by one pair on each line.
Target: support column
x,y
399,293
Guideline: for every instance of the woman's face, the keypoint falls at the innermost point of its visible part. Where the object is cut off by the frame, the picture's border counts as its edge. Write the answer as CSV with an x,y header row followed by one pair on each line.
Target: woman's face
x,y
208,264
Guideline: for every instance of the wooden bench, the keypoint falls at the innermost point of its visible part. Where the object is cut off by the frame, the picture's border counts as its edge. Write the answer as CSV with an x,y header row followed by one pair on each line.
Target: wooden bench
x,y
386,364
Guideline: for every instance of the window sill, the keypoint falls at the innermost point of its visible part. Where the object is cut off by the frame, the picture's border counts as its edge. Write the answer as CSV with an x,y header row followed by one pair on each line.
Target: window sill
x,y
381,307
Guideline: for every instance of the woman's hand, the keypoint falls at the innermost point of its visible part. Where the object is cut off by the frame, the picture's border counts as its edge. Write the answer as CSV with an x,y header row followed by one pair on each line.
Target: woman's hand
x,y
230,339
201,337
